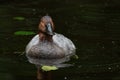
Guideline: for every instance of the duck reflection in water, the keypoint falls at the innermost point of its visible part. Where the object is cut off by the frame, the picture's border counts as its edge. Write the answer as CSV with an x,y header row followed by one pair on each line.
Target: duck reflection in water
x,y
49,48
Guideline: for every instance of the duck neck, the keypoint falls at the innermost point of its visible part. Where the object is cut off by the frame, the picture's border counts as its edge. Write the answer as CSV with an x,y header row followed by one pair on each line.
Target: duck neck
x,y
45,37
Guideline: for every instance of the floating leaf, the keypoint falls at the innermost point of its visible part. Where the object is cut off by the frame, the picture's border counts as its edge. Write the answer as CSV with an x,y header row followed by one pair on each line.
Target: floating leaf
x,y
24,33
19,18
49,68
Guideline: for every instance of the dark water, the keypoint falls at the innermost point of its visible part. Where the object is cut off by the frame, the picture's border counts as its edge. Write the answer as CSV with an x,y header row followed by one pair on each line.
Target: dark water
x,y
93,25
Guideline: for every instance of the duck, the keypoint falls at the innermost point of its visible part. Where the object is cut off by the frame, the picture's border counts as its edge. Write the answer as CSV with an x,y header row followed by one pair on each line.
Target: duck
x,y
48,47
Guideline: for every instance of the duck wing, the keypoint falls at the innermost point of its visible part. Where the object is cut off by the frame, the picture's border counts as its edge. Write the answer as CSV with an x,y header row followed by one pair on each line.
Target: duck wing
x,y
64,43
34,41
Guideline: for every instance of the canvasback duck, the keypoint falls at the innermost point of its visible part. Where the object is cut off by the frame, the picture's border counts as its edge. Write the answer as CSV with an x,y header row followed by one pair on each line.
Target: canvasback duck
x,y
48,47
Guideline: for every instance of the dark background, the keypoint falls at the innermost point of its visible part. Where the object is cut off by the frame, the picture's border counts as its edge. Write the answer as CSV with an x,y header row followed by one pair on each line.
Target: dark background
x,y
93,25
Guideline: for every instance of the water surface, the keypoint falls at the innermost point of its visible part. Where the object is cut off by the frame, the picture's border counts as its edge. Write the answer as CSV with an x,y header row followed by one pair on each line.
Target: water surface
x,y
91,24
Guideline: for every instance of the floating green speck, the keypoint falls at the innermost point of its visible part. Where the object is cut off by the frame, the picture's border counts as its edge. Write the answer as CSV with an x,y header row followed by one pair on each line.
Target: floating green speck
x,y
24,33
75,57
49,68
19,18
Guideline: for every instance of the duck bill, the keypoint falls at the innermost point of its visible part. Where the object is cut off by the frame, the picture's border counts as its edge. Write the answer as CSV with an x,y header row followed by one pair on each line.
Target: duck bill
x,y
49,29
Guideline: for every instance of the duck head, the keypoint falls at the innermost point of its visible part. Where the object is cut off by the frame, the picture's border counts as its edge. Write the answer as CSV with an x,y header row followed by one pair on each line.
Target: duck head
x,y
46,28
